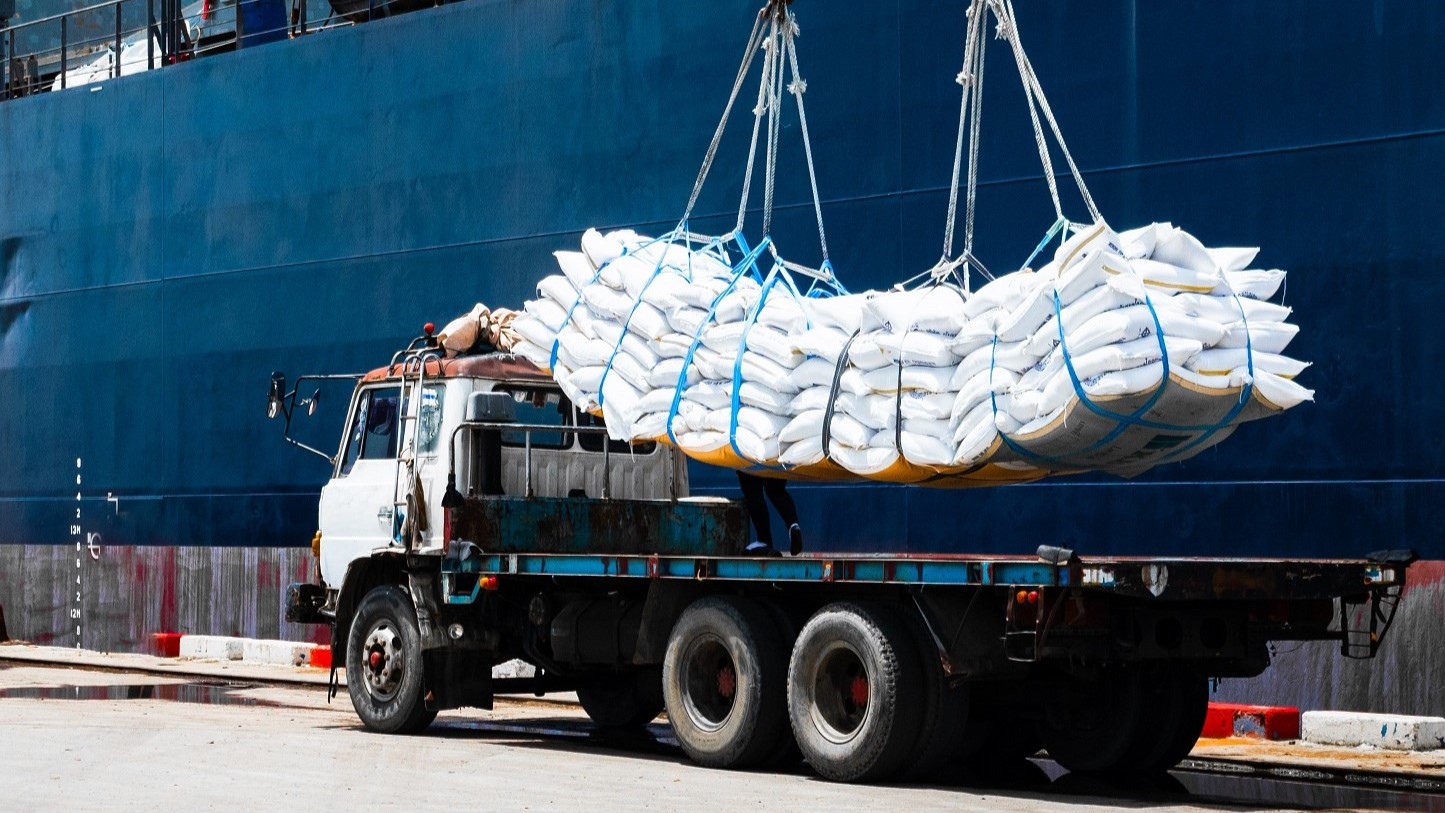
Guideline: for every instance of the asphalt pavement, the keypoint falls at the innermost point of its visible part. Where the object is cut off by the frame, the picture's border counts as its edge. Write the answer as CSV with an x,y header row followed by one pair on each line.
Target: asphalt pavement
x,y
81,739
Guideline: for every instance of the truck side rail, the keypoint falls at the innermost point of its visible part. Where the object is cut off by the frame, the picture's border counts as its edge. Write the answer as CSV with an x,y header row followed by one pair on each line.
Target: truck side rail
x,y
1182,579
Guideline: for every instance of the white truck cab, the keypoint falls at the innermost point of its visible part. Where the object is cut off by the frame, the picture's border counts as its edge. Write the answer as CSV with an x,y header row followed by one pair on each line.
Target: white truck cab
x,y
401,445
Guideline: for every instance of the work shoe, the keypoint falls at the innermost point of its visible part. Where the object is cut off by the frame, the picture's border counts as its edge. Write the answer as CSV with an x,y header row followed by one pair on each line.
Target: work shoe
x,y
760,549
795,539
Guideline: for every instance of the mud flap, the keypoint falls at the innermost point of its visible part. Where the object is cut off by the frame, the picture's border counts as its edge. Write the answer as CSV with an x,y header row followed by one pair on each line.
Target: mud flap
x,y
458,678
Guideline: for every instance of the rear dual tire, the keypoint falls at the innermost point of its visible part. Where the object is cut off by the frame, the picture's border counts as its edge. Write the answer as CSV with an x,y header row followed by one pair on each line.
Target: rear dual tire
x,y
723,682
1127,720
853,683
622,701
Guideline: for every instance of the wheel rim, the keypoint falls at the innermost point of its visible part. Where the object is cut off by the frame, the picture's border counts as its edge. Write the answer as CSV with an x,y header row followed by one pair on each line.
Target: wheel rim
x,y
841,691
709,684
382,661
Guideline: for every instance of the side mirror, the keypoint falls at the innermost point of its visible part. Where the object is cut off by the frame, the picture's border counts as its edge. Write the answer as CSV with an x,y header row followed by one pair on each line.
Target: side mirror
x,y
277,395
312,402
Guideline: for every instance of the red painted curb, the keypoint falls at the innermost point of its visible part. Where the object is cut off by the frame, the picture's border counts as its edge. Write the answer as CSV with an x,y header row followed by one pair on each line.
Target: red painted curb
x,y
321,657
1258,722
166,644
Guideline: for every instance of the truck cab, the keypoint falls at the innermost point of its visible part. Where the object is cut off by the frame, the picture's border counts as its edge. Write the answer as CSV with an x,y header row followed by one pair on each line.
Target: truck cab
x,y
401,448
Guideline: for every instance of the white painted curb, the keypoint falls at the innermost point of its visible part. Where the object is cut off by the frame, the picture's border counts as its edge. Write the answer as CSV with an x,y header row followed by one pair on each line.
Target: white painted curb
x,y
211,648
276,653
1396,732
245,650
290,653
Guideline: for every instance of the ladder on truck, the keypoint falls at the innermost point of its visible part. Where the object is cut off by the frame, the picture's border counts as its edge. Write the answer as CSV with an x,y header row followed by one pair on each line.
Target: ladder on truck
x,y
408,369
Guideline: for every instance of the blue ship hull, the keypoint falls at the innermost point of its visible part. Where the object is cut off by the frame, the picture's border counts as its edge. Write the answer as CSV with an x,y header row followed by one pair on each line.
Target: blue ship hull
x,y
167,240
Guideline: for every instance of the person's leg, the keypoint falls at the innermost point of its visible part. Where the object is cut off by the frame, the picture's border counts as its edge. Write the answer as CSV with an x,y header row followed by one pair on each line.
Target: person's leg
x,y
757,506
777,492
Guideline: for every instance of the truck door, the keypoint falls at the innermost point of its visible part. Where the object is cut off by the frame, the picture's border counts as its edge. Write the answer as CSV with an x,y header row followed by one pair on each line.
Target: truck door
x,y
357,508
361,508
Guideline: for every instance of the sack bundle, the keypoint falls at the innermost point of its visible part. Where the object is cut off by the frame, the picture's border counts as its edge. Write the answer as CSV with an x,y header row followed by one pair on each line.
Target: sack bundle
x,y
1125,351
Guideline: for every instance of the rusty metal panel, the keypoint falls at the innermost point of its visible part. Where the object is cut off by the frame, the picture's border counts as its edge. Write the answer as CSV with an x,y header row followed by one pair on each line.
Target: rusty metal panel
x,y
623,527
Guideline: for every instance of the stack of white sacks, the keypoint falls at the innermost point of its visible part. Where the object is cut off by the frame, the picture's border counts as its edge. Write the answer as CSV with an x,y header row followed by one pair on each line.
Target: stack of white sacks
x,y
1166,346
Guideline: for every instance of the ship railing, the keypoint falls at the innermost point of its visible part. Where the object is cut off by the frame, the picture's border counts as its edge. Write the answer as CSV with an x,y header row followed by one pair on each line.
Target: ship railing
x,y
116,38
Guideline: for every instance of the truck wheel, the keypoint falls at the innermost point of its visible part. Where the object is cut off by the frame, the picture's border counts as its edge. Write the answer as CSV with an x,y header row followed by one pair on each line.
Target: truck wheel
x,y
994,736
1182,699
945,711
852,686
622,700
723,677
1093,726
384,665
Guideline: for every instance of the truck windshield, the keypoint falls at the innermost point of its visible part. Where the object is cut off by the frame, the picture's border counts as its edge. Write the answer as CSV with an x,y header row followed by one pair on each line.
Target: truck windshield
x,y
372,435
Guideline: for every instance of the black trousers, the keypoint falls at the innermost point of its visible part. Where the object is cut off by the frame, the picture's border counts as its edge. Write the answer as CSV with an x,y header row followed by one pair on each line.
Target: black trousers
x,y
755,490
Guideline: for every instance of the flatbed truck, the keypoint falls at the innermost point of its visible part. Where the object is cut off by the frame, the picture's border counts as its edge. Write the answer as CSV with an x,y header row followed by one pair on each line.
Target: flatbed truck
x,y
473,517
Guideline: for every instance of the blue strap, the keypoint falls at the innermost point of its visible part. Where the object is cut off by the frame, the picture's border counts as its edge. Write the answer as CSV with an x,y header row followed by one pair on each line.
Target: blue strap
x,y
779,272
1244,393
748,261
1122,422
657,269
1135,418
1047,461
834,285
556,342
1053,230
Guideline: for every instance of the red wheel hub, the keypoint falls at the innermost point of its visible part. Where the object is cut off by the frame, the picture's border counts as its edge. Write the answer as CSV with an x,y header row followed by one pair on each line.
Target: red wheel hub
x,y
727,681
374,661
858,691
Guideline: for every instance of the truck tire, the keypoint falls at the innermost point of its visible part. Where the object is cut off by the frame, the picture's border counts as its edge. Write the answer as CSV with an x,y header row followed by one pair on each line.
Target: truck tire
x,y
1093,725
945,711
622,700
995,735
1178,698
724,680
853,681
384,671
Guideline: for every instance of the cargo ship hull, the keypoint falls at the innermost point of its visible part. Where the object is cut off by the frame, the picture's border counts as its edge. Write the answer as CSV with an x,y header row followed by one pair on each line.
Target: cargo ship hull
x,y
169,239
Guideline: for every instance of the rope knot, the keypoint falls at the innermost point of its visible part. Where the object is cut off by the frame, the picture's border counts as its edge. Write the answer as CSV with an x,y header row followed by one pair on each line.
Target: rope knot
x,y
964,78
798,87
